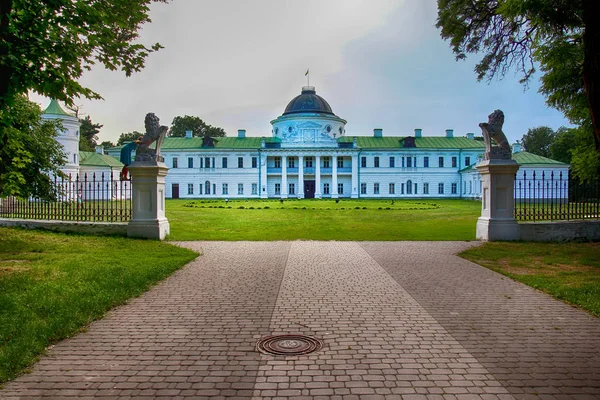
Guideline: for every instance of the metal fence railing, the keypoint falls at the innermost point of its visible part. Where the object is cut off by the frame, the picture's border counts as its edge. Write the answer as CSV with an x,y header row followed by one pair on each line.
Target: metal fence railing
x,y
101,197
549,196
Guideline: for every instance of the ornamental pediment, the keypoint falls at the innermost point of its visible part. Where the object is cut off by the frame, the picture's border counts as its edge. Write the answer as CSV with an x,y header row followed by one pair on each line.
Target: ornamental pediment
x,y
308,124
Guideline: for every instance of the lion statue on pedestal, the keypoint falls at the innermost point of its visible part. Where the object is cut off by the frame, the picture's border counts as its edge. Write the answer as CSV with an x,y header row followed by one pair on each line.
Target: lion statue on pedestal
x,y
492,130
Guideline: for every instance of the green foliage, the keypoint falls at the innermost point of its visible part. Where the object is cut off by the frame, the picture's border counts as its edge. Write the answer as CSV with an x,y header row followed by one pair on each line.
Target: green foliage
x,y
53,285
198,127
29,152
323,219
565,141
46,46
128,137
538,140
567,271
107,144
88,134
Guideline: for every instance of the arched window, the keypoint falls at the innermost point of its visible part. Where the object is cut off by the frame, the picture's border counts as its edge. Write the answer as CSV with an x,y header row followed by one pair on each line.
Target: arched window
x,y
409,187
207,187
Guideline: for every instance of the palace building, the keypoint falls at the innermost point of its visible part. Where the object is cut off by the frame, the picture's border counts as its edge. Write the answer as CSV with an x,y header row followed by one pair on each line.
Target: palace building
x,y
309,155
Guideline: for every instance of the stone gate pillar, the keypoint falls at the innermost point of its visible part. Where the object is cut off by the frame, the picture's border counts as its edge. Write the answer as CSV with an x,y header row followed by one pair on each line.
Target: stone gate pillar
x,y
148,183
497,220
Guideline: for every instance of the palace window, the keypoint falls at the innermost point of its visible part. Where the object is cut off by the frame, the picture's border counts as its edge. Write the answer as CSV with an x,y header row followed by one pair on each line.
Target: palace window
x,y
409,187
470,187
224,162
254,162
408,162
340,188
426,162
200,188
441,162
291,162
190,162
376,162
292,188
453,162
415,162
214,188
440,188
402,188
340,162
174,162
206,162
240,188
277,161
278,188
326,188
453,188
326,162
225,188
467,161
308,162
415,188
190,188
392,162
240,162
392,188
363,188
254,188
363,162
376,188
207,187
426,188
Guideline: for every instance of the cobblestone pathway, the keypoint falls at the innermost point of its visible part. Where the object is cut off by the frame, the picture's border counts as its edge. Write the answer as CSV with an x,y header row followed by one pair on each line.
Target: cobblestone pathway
x,y
398,320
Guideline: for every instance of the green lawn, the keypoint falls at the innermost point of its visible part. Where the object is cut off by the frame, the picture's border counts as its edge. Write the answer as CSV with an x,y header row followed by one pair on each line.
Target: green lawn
x,y
568,271
53,285
322,219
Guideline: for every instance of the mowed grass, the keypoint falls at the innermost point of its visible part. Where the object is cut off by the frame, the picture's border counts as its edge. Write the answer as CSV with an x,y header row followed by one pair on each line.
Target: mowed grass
x,y
322,219
53,285
568,271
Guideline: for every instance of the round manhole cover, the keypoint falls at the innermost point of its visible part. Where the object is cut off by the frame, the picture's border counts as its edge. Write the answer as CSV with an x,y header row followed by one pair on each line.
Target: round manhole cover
x,y
288,345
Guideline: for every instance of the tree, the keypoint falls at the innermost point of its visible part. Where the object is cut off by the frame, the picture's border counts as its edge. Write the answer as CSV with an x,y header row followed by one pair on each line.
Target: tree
x,y
88,134
30,154
128,137
538,140
107,144
198,127
563,36
565,141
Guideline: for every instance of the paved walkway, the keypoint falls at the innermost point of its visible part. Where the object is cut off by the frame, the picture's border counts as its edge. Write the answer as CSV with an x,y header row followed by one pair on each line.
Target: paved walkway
x,y
403,320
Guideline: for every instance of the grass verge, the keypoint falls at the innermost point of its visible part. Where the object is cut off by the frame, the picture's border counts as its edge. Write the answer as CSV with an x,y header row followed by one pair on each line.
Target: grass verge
x,y
53,285
568,271
322,219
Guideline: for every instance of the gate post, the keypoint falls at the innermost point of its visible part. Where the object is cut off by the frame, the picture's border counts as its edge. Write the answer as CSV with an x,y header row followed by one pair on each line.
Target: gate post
x,y
497,221
148,182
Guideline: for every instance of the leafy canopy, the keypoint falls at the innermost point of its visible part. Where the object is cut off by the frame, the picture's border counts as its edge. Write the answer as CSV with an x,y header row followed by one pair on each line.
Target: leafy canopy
x,y
538,140
30,154
88,134
127,137
198,127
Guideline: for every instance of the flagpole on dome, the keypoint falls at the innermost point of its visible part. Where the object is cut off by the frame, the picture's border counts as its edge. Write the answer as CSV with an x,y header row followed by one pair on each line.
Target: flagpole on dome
x,y
307,77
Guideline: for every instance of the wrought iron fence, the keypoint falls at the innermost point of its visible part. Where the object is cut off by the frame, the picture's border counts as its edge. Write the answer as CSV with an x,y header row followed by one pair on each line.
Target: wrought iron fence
x,y
101,197
550,196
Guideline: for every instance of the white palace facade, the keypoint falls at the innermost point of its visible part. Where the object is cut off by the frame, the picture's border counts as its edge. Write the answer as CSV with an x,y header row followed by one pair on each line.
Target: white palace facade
x,y
309,155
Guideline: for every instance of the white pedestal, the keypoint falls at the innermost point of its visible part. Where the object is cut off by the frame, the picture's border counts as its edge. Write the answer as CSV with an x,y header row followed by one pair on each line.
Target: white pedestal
x,y
497,220
148,183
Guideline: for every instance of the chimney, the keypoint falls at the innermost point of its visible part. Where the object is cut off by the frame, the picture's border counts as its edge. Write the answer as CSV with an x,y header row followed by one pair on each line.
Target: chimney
x,y
449,133
470,136
378,132
100,150
516,147
188,134
418,132
241,133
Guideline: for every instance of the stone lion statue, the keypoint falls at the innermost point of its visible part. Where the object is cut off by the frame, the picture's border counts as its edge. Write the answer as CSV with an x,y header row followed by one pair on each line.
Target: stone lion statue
x,y
492,130
155,133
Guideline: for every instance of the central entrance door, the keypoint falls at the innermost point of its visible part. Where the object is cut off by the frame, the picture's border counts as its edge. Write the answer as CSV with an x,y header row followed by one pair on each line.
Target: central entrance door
x,y
309,189
175,191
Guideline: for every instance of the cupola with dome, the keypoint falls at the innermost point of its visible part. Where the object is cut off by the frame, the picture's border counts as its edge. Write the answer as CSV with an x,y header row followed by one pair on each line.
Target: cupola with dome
x,y
308,121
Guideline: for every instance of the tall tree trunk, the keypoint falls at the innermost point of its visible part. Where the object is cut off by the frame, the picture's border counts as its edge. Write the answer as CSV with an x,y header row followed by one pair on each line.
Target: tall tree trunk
x,y
591,63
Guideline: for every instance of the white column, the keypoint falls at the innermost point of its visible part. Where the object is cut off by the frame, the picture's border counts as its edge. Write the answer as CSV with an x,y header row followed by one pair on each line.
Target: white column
x,y
300,177
263,177
355,187
334,182
284,183
318,194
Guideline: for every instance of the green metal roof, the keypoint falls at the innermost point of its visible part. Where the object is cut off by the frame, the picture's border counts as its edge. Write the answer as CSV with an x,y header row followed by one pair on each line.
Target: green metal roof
x,y
525,158
220,143
448,143
55,109
90,158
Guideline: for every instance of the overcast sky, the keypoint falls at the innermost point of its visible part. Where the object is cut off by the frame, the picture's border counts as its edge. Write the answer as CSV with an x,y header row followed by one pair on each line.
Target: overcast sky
x,y
379,64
